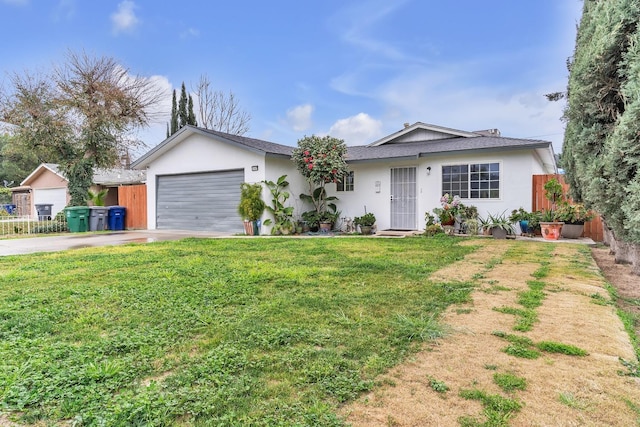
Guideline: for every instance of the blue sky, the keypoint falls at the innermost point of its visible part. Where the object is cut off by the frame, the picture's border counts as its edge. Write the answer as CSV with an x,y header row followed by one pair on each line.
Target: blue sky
x,y
356,70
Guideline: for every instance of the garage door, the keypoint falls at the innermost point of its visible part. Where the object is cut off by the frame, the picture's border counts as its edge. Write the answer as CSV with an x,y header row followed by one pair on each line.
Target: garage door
x,y
53,196
200,201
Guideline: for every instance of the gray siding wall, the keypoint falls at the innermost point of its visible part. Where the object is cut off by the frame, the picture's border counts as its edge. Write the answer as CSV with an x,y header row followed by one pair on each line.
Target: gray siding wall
x,y
200,201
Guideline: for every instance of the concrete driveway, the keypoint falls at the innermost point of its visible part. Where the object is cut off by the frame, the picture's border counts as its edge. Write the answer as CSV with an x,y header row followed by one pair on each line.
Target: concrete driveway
x,y
88,240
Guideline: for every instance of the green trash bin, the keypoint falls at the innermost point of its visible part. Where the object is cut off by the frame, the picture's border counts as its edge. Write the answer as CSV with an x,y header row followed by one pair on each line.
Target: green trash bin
x,y
77,218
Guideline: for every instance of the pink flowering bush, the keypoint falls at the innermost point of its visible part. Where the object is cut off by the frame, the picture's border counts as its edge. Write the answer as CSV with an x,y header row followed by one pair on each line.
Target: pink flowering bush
x,y
321,160
451,207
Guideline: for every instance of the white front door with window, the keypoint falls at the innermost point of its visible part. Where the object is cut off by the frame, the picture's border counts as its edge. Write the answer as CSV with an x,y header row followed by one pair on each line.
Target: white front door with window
x,y
403,198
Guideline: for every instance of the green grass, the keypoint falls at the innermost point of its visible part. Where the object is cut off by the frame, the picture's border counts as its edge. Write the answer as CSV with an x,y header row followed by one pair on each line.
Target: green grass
x,y
255,332
570,400
525,317
438,386
557,347
498,410
509,382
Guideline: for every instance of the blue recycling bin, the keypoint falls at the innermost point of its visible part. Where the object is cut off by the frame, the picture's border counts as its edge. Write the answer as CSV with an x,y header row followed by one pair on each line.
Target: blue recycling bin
x,y
116,217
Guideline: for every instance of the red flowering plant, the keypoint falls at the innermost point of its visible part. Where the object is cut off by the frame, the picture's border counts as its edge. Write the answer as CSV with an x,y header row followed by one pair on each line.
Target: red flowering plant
x,y
321,160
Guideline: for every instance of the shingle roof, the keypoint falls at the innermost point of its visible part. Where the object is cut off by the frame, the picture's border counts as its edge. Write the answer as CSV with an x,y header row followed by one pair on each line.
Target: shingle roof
x,y
114,176
467,142
449,145
118,176
258,144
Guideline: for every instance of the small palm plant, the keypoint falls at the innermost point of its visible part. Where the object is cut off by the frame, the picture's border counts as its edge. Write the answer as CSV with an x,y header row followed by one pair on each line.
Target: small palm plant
x,y
98,199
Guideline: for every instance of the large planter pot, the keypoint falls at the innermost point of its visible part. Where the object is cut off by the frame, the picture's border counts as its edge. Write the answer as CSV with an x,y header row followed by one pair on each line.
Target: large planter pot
x,y
365,229
551,230
248,228
572,231
451,221
499,233
325,227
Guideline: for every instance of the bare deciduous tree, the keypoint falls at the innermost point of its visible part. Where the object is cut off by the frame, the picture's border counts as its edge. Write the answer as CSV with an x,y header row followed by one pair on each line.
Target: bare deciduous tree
x,y
218,110
84,111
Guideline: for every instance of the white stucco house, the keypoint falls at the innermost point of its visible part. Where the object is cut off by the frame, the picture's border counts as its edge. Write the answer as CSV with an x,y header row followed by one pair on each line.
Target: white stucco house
x,y
194,176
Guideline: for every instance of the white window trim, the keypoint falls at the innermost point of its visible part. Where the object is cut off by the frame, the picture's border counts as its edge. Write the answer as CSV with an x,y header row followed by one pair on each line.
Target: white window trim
x,y
477,162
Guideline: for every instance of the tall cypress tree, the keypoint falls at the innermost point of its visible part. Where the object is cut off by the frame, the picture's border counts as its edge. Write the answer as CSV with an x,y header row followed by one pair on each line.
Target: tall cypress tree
x,y
601,151
174,114
191,115
183,115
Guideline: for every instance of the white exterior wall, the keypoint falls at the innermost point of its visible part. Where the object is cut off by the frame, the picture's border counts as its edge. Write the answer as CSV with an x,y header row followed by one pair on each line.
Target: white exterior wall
x,y
516,170
276,167
199,153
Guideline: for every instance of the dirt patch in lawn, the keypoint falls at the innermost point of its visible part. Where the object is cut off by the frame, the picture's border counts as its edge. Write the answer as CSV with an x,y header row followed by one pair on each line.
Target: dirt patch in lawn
x,y
560,390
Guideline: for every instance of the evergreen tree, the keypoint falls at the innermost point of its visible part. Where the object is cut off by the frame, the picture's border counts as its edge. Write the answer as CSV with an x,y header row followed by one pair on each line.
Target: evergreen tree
x,y
601,151
174,114
183,115
191,117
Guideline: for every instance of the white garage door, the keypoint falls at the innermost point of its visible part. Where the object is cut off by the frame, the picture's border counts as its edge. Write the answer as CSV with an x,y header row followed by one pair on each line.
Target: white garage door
x,y
199,201
54,196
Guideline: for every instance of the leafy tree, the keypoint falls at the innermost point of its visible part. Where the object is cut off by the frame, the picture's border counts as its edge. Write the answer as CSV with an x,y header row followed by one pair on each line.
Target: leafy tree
x,y
220,111
320,160
16,160
83,112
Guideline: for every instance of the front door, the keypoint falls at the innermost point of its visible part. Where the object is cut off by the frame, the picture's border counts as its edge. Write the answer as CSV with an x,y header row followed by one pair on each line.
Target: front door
x,y
403,198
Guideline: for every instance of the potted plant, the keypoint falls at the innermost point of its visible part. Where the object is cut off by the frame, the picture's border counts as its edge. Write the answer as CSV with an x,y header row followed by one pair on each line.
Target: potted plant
x,y
321,160
282,215
451,207
521,217
500,226
251,207
573,216
328,219
365,222
549,224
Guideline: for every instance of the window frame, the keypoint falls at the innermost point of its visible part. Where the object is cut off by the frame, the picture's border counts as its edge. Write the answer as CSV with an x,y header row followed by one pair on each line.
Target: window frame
x,y
482,170
350,185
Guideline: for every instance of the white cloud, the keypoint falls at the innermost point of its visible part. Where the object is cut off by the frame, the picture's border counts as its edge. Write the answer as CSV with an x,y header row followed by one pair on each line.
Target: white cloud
x,y
65,10
448,97
189,33
299,117
124,19
359,24
357,130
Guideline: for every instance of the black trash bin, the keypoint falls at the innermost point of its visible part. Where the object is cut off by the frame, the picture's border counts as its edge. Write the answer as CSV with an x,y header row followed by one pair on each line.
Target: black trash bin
x,y
98,217
116,217
44,211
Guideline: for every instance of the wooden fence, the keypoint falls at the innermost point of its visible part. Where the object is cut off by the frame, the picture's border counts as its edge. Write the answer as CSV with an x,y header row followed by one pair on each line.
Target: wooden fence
x,y
592,229
134,198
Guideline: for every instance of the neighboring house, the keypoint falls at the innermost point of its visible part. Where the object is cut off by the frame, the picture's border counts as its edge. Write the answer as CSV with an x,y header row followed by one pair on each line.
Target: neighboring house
x,y
47,185
194,177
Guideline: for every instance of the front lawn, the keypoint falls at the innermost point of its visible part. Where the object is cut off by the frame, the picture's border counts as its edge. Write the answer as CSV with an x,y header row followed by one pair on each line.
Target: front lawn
x,y
216,332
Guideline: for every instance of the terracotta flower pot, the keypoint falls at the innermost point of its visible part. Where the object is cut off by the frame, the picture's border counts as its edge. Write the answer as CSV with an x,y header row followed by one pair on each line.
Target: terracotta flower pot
x,y
325,227
551,230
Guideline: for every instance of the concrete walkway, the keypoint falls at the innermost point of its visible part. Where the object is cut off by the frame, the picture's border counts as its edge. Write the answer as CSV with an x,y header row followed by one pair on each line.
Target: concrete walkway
x,y
29,245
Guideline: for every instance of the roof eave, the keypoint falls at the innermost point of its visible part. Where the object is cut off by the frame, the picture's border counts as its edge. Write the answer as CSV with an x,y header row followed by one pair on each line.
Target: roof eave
x,y
180,136
420,125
